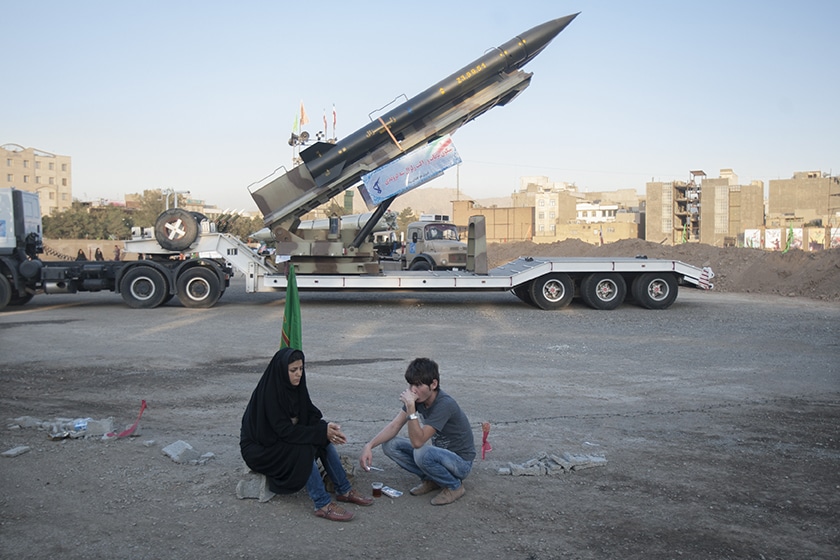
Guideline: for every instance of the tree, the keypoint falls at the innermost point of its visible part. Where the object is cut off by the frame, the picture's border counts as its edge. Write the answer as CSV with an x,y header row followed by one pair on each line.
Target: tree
x,y
406,217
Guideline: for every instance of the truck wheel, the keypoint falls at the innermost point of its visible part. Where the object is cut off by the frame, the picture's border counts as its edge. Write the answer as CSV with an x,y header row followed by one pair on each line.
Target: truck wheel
x,y
176,229
655,290
199,287
20,300
5,292
603,291
420,265
143,287
552,291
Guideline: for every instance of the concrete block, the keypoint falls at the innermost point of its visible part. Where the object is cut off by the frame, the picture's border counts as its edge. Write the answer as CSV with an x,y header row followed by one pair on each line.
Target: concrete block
x,y
15,451
181,452
255,487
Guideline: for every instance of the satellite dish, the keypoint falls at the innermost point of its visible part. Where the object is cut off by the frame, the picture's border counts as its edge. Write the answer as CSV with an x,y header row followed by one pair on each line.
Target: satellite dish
x,y
304,137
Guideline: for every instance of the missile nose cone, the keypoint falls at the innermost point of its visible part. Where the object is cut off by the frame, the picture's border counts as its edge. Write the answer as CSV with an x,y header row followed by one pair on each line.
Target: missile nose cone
x,y
537,38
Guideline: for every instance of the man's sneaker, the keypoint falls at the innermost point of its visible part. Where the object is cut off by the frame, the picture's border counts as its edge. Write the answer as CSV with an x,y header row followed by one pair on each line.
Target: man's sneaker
x,y
334,512
447,496
424,488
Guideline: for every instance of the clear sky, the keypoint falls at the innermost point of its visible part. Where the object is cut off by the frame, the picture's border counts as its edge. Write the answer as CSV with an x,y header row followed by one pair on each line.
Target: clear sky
x,y
201,96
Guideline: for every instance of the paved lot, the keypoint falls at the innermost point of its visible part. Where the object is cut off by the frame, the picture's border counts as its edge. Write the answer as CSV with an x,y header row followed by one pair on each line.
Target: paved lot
x,y
718,417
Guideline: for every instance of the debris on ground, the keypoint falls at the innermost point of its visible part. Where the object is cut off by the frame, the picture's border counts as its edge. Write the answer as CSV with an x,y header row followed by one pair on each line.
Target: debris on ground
x,y
549,464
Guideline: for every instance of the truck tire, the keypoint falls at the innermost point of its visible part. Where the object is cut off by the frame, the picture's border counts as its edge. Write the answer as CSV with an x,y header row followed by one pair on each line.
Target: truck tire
x,y
552,291
603,291
420,264
143,287
20,300
176,229
5,292
655,290
199,287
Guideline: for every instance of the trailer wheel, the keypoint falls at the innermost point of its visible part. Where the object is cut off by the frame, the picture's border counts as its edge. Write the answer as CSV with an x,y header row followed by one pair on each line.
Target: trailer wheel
x,y
143,287
176,229
552,291
655,290
199,287
5,292
603,291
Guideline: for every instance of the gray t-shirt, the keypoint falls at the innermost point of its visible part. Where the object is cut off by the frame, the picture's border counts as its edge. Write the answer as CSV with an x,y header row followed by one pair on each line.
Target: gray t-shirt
x,y
453,431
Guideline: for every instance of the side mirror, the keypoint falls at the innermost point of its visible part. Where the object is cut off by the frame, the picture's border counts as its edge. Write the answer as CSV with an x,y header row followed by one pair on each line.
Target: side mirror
x,y
414,237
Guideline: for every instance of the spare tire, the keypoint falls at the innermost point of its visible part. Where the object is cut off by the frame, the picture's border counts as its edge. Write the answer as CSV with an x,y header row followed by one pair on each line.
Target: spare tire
x,y
176,229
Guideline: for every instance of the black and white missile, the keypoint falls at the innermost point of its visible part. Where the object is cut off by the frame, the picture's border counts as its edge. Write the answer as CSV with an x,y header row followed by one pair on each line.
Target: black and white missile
x,y
328,169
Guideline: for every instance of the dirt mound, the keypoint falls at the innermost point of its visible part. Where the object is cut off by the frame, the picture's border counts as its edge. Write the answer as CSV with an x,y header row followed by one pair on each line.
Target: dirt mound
x,y
795,273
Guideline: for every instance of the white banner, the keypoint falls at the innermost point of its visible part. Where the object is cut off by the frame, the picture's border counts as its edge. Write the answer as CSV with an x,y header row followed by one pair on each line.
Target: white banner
x,y
409,171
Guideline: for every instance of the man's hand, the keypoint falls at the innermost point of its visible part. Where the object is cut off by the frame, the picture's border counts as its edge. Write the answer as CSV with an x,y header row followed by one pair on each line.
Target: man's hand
x,y
366,458
409,399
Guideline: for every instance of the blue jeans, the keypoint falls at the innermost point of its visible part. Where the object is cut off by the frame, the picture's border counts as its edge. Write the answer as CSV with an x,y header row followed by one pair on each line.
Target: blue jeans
x,y
315,484
441,466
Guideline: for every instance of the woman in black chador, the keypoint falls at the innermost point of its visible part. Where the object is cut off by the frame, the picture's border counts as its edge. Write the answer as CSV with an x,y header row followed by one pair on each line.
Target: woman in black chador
x,y
283,433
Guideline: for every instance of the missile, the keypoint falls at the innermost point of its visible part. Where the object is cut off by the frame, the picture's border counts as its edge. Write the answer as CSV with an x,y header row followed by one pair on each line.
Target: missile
x,y
328,169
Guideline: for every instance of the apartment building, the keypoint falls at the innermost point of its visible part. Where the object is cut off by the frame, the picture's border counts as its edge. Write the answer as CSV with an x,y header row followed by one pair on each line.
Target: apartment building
x,y
34,170
714,211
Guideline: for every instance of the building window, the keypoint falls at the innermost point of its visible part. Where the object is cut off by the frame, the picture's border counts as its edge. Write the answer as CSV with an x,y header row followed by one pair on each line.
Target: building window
x,y
551,215
37,179
542,227
37,165
64,182
25,163
26,178
64,167
553,228
10,177
541,215
52,166
552,202
542,202
52,195
8,162
64,196
52,180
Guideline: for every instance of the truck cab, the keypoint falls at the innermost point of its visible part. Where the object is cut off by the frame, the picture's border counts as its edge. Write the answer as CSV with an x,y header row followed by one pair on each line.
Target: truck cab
x,y
433,243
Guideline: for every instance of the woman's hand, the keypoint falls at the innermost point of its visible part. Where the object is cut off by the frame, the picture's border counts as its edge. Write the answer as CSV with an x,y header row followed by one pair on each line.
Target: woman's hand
x,y
335,435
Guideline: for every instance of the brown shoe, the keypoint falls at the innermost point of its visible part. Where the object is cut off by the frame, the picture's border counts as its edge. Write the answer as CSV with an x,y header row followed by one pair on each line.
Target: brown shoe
x,y
354,498
447,496
424,488
334,512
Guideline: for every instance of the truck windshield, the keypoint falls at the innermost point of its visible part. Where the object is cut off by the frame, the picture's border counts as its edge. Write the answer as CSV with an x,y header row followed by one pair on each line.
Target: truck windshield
x,y
442,231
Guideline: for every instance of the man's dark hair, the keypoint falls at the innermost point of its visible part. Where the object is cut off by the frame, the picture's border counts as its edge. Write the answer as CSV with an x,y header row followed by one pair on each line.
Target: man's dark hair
x,y
422,371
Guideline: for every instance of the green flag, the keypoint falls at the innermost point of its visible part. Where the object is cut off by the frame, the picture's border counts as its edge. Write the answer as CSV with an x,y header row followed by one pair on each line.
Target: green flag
x,y
789,239
291,336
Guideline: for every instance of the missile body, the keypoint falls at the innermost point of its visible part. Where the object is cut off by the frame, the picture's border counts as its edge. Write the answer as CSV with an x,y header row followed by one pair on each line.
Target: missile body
x,y
493,79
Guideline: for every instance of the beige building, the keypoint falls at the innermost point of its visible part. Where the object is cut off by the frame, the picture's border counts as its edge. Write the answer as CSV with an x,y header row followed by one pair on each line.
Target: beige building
x,y
34,170
808,197
703,210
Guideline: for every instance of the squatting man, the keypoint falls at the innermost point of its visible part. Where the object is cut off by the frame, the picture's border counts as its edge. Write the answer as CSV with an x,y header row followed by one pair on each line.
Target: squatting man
x,y
431,414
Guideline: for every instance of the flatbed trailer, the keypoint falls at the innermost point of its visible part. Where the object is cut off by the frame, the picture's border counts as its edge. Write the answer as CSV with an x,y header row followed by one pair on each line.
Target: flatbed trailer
x,y
543,282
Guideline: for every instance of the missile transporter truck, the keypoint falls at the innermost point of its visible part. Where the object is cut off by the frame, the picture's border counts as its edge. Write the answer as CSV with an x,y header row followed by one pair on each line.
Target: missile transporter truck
x,y
189,259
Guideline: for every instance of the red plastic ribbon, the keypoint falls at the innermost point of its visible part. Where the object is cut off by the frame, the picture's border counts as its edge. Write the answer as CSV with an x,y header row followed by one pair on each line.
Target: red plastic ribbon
x,y
129,431
485,445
